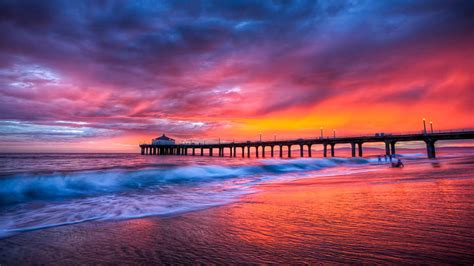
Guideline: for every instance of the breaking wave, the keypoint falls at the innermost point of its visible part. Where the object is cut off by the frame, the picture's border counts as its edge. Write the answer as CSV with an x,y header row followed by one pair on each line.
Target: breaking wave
x,y
29,201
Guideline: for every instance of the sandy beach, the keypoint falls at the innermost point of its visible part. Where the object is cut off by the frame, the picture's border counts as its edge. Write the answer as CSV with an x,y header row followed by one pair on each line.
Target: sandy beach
x,y
420,214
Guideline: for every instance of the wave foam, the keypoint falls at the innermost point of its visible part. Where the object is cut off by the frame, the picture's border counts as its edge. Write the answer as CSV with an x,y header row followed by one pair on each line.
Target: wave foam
x,y
31,202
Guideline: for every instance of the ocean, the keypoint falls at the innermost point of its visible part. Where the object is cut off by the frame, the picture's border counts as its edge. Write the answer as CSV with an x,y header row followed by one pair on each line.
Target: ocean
x,y
43,191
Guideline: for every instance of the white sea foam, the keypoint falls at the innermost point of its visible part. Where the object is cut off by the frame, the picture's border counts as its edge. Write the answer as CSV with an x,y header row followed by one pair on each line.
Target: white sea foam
x,y
30,202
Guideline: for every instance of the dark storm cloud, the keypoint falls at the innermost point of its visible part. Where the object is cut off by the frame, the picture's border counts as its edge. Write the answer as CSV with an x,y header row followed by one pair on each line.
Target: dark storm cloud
x,y
99,61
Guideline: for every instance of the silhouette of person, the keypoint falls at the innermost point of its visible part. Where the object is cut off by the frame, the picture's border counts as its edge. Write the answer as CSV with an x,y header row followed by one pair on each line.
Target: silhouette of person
x,y
398,164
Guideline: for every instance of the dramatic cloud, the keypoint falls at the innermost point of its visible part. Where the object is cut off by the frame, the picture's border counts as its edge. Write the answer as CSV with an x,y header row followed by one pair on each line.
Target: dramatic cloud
x,y
73,71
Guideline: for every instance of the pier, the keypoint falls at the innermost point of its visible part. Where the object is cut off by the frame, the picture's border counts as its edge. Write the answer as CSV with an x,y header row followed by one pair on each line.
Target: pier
x,y
243,149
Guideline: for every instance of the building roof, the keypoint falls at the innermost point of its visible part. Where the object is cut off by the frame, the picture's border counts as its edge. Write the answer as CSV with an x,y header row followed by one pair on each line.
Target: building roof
x,y
163,137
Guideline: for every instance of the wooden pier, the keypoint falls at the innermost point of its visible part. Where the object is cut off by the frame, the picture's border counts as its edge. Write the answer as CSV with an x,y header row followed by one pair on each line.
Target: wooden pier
x,y
242,149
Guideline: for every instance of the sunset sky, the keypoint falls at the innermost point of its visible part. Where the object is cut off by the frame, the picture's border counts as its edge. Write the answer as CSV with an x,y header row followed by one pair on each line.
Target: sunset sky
x,y
105,76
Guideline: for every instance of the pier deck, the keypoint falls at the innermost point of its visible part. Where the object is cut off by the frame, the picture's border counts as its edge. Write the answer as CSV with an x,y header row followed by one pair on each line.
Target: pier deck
x,y
329,144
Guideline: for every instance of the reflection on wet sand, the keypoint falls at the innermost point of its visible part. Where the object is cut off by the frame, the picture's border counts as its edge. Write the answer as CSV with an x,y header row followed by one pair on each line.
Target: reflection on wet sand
x,y
419,214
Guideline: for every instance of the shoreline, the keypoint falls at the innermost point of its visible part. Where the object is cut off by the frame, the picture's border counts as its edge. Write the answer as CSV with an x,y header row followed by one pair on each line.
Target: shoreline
x,y
371,217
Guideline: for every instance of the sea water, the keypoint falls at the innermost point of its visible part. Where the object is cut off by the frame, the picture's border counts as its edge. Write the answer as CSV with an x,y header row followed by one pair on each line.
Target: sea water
x,y
46,190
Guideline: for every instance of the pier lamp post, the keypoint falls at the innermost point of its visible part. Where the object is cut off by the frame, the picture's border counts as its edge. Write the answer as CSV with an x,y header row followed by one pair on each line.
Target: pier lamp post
x,y
321,131
424,126
431,127
334,133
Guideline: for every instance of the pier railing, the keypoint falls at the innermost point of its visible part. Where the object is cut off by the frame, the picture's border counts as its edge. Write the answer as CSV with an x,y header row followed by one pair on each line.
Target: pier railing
x,y
327,137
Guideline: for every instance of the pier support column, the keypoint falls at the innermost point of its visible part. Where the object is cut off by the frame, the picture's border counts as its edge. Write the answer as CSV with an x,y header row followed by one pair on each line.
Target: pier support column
x,y
281,151
325,150
353,148
235,151
387,148
289,151
211,151
154,150
202,151
194,151
243,151
248,151
430,148
332,149
271,150
309,150
360,149
142,150
392,146
256,151
230,151
263,151
301,151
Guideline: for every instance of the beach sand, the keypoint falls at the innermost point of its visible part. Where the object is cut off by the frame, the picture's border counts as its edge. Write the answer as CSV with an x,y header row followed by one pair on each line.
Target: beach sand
x,y
421,214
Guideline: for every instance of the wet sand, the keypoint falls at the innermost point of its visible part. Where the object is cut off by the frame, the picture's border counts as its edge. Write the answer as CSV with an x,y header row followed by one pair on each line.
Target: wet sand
x,y
421,214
